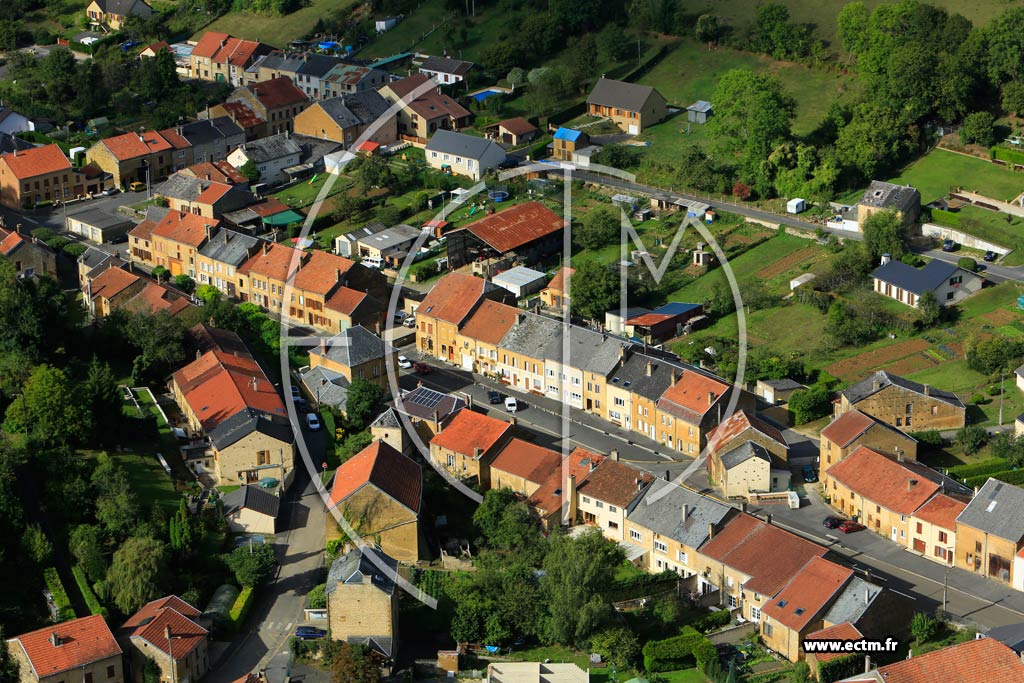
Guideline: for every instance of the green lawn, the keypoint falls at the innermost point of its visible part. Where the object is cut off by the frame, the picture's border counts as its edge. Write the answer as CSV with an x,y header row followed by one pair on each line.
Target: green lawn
x,y
303,194
691,72
401,38
684,676
937,172
147,478
274,30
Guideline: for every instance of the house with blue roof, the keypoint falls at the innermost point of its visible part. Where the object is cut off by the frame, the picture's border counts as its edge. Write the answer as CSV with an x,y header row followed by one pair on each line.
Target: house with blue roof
x,y
906,284
568,142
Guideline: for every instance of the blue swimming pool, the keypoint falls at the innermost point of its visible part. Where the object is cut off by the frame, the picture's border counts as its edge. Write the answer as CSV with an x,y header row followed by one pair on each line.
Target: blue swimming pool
x,y
484,94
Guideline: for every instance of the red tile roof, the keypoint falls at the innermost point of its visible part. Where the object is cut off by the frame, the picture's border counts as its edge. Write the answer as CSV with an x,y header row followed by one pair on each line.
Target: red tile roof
x,y
225,49
649,319
213,193
382,466
144,230
527,460
430,104
82,641
277,92
345,300
843,631
242,114
469,430
558,281
769,555
154,298
847,427
11,241
218,385
518,126
186,635
274,261
112,282
157,46
579,463
985,659
452,298
690,396
516,226
217,171
882,481
321,272
941,510
134,145
37,161
739,422
268,207
615,483
490,321
186,228
151,609
807,594
174,139
209,43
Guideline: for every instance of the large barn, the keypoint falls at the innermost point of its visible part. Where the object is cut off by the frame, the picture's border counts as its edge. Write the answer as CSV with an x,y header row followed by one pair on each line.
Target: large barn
x,y
523,233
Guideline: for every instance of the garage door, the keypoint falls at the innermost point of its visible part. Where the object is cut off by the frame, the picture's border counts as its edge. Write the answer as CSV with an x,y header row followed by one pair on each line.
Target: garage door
x,y
919,545
467,362
634,129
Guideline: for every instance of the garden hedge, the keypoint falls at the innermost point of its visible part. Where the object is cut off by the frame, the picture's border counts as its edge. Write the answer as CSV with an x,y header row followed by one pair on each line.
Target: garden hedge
x,y
839,668
87,593
1015,477
712,621
60,596
240,610
1008,155
639,586
678,652
978,469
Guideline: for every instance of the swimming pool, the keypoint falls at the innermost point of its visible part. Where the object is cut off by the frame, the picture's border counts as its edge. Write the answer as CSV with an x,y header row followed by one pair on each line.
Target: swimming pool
x,y
484,94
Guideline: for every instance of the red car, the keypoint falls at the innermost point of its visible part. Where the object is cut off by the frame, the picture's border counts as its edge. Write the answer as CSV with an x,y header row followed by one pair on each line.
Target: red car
x,y
849,526
421,368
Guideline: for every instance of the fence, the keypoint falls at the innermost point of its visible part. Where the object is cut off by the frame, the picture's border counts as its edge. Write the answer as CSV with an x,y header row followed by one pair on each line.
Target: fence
x,y
942,232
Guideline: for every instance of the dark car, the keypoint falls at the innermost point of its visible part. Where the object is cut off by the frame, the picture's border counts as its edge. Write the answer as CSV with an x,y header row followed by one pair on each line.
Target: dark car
x,y
990,256
948,245
421,368
120,239
849,526
494,397
310,633
831,522
809,475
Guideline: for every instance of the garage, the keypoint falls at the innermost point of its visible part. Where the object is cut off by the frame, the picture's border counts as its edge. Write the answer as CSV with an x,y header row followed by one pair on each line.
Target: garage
x,y
634,129
467,362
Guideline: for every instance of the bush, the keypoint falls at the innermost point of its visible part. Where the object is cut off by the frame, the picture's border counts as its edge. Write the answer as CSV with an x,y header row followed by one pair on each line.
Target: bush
x,y
1015,477
840,668
712,621
43,234
90,598
978,469
929,437
638,586
75,249
240,610
57,243
924,627
967,263
60,597
809,404
677,652
424,271
317,597
994,390
971,438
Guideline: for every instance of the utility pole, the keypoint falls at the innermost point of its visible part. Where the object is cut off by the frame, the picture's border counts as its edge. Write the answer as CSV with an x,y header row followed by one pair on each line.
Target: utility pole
x,y
945,586
1002,378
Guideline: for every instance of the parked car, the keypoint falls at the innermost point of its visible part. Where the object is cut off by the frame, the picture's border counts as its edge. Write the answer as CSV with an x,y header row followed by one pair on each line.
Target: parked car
x,y
313,422
310,633
404,363
948,245
137,186
410,321
400,317
494,397
296,394
511,404
421,368
120,239
809,475
849,526
990,256
831,522
110,191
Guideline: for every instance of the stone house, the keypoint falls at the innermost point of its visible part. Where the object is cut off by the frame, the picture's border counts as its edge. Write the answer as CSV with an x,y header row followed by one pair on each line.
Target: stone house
x,y
933,528
901,403
608,492
468,444
445,309
355,353
990,532
852,429
523,467
27,254
882,196
166,631
79,650
271,156
144,157
219,259
177,238
222,58
343,119
420,117
362,600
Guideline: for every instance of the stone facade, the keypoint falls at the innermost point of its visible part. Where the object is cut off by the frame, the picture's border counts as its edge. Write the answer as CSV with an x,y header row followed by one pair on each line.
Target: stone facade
x,y
903,408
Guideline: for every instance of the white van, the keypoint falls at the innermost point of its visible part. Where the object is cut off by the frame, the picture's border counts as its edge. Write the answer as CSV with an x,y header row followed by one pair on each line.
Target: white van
x,y
511,404
372,262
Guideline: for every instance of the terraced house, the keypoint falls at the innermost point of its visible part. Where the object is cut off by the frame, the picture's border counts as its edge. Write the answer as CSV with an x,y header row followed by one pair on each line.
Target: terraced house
x,y
990,533
445,309
222,58
481,334
604,497
903,403
141,157
218,260
177,239
41,174
468,445
853,428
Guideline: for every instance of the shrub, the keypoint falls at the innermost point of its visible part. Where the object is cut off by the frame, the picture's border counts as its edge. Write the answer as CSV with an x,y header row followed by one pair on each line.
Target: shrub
x,y
971,438
60,597
240,610
712,621
1015,477
74,249
43,234
924,627
677,652
90,598
424,271
317,597
994,390
929,437
839,668
967,263
978,469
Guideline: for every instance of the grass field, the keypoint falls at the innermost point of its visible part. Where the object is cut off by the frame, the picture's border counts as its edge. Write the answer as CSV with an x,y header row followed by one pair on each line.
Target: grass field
x,y
937,172
416,23
986,224
273,30
691,72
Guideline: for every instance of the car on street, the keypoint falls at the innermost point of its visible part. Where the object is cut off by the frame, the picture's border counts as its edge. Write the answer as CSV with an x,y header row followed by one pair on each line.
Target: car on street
x,y
494,398
313,422
948,245
831,522
110,191
137,186
310,633
404,363
511,404
849,527
296,394
410,321
809,475
990,256
421,368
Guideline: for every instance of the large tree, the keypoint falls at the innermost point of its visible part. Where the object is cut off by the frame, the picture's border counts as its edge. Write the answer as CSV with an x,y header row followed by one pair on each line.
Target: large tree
x,y
354,664
363,402
594,289
49,409
252,564
101,393
136,573
506,523
884,233
599,227
1005,37
86,545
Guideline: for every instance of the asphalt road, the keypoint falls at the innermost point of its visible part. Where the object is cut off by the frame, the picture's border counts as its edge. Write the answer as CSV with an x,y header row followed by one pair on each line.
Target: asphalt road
x,y
54,218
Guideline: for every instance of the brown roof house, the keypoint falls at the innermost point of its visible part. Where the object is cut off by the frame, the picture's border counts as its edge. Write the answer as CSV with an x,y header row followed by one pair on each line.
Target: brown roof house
x,y
223,58
114,13
343,119
608,492
447,307
512,132
165,630
379,493
27,254
79,650
467,446
431,111
990,533
527,231
933,527
630,106
853,428
746,456
362,600
983,659
903,403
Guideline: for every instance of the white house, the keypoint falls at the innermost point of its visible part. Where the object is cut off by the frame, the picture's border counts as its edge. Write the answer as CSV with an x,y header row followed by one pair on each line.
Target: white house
x,y
271,155
462,154
445,70
251,510
950,283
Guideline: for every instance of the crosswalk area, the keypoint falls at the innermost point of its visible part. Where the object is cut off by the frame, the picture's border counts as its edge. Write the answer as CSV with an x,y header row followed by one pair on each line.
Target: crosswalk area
x,y
275,626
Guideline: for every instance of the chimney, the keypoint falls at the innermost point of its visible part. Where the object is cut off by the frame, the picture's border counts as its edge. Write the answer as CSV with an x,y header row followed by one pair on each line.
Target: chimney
x,y
570,492
227,236
743,507
649,370
711,531
911,483
337,274
927,390
876,385
975,490
436,416
614,454
622,353
639,484
323,346
141,139
207,226
867,595
477,453
867,663
899,455
768,519
674,378
54,639
886,258
266,247
711,398
207,176
683,512
513,420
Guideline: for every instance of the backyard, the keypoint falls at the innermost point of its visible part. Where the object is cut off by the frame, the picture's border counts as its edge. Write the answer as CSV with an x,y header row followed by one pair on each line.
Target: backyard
x,y
276,30
940,170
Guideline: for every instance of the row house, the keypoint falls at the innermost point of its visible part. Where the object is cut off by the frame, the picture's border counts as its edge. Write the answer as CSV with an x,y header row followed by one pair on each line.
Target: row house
x,y
141,157
481,334
167,631
222,58
467,446
690,408
43,174
853,429
176,240
186,193
608,492
445,309
343,119
902,403
140,238
348,79
355,353
990,534
212,139
219,259
982,659
262,109
556,499
523,467
933,528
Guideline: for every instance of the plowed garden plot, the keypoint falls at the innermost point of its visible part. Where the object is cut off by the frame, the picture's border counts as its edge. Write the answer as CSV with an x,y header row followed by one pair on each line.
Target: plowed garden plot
x,y
912,363
1000,316
786,262
857,367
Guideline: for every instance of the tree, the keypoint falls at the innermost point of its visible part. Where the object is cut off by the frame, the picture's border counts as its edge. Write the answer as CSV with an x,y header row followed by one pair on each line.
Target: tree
x,y
599,228
506,523
615,45
594,290
929,309
250,171
101,393
185,283
159,338
852,27
209,294
884,234
117,507
86,546
36,546
151,671
374,172
252,564
160,273
995,354
1008,447
575,572
317,597
708,29
9,669
136,573
49,408
741,190
1005,37
971,438
618,645
801,673
1013,98
978,128
809,404
363,402
923,627
354,664
499,603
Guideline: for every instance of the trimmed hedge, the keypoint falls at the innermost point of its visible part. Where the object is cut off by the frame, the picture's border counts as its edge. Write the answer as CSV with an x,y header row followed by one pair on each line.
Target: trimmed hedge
x,y
712,621
929,437
1015,477
839,668
60,596
240,610
639,586
87,593
679,652
1008,155
978,469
